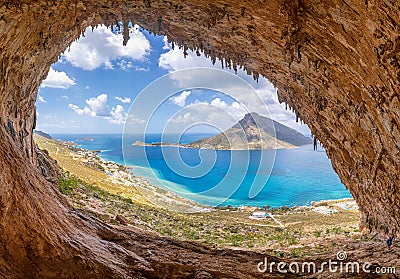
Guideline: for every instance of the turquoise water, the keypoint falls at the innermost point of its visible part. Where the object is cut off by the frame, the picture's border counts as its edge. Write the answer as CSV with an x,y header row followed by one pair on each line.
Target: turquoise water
x,y
299,176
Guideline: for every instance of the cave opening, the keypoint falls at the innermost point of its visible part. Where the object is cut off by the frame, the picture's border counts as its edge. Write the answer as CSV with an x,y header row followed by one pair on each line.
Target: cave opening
x,y
96,85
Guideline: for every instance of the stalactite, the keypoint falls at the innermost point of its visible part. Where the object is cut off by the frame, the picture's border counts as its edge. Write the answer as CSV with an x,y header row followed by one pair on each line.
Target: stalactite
x,y
159,22
125,33
255,76
228,63
315,143
213,59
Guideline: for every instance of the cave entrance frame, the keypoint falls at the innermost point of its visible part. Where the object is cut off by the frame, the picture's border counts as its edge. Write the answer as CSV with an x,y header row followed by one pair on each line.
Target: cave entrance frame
x,y
306,51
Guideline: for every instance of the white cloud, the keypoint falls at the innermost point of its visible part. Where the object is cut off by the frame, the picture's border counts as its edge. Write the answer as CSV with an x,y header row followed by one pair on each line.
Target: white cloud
x,y
87,87
53,125
41,99
97,107
185,118
117,115
235,109
108,65
134,119
124,100
57,79
217,112
128,65
80,111
124,64
102,46
180,100
202,113
223,114
174,59
65,97
141,69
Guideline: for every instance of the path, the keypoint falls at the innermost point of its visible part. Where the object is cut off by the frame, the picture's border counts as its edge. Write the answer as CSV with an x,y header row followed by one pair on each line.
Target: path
x,y
276,220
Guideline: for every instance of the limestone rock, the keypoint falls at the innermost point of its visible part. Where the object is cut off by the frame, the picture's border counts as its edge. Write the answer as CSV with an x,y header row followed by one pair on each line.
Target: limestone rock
x,y
336,63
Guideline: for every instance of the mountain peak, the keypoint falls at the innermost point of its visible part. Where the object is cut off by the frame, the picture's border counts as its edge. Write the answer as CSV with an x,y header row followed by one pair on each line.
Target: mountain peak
x,y
254,131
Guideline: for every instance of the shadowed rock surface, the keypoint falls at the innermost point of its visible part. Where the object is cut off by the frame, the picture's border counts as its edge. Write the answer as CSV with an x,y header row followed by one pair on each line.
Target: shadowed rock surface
x,y
335,63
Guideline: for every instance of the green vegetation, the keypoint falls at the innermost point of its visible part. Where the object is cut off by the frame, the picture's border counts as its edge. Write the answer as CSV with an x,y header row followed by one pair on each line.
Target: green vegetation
x,y
67,184
323,204
282,209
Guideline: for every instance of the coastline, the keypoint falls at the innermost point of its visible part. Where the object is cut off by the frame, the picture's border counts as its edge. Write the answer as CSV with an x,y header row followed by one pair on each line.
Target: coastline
x,y
155,183
292,230
190,145
114,177
309,204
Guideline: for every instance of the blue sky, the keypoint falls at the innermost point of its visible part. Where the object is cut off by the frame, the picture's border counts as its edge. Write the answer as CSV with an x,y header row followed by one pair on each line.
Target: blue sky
x,y
96,80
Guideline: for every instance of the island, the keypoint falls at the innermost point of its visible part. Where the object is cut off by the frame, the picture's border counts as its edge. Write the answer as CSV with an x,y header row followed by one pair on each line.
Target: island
x,y
253,131
141,143
85,139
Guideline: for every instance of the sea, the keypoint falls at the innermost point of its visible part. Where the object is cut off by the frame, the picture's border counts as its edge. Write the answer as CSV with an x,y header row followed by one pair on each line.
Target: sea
x,y
275,178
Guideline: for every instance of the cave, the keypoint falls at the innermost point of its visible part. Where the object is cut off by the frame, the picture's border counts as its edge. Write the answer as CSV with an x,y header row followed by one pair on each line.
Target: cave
x,y
336,63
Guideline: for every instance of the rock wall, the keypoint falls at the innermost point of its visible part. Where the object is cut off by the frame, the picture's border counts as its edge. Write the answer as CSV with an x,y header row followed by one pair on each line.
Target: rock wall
x,y
335,63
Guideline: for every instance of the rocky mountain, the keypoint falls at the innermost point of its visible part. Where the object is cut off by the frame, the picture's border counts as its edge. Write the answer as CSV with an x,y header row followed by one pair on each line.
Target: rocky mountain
x,y
43,134
254,132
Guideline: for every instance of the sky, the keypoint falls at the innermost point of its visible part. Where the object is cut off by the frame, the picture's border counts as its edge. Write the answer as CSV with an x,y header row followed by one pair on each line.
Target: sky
x,y
94,85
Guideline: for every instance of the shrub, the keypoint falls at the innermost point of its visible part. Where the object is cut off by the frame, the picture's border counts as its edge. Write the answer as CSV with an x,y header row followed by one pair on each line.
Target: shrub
x,y
284,208
67,184
322,204
127,200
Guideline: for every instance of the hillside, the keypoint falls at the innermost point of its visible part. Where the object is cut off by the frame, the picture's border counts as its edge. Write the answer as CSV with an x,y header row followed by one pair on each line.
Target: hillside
x,y
42,134
254,132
